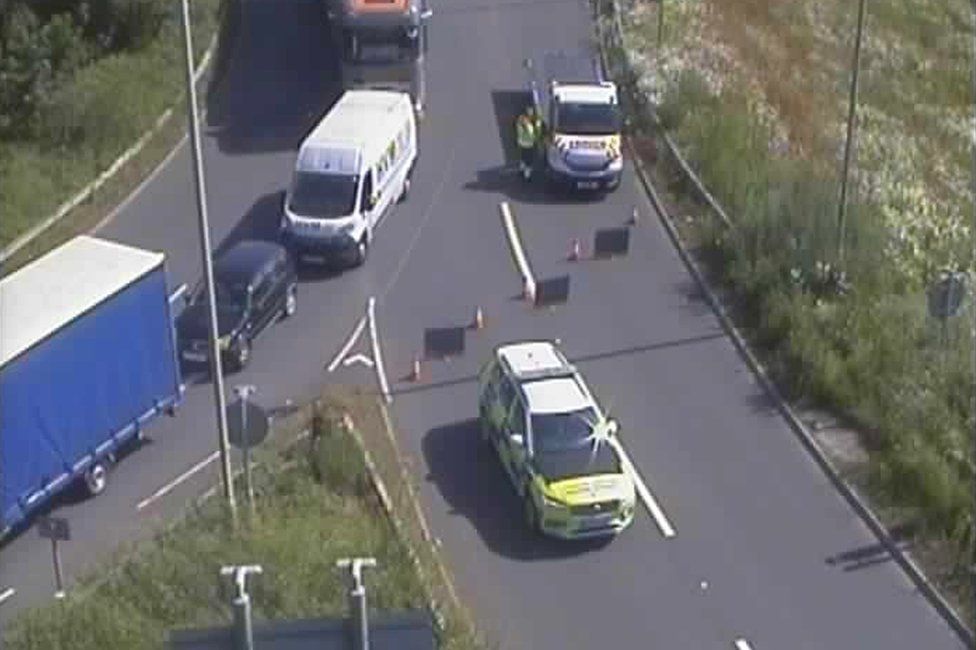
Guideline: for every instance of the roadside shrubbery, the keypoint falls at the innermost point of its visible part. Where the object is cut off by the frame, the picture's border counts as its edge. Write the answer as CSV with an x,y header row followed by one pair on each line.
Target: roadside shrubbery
x,y
79,82
851,334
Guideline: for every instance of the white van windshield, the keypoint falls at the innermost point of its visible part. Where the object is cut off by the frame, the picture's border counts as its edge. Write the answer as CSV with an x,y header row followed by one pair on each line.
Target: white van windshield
x,y
587,119
323,196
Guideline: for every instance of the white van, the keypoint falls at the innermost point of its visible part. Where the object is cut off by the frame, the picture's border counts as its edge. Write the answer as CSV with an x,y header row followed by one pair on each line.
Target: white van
x,y
350,170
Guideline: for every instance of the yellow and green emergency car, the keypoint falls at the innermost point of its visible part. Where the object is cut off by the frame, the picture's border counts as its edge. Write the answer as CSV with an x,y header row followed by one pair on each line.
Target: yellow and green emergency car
x,y
554,442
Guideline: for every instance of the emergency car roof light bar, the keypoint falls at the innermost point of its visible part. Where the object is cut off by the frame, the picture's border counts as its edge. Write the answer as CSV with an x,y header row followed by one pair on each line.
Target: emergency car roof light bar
x,y
567,370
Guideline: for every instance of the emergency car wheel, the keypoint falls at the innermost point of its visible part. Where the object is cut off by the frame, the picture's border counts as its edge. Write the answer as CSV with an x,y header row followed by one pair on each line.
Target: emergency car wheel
x,y
96,478
531,511
483,432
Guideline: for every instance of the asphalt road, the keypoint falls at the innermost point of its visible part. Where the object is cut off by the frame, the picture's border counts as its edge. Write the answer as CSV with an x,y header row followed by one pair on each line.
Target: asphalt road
x,y
765,550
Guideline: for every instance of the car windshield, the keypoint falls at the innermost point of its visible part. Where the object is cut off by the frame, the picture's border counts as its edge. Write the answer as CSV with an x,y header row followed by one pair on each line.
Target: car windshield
x,y
323,196
562,431
390,45
229,294
587,119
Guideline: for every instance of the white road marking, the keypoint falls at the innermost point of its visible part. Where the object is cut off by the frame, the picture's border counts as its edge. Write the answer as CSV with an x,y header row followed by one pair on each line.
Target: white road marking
x,y
645,495
345,348
513,240
742,644
7,594
166,489
358,358
377,355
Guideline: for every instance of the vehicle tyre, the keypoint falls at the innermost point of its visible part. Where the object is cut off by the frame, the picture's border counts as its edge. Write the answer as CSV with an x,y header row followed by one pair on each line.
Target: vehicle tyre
x,y
362,250
483,425
96,478
531,511
291,302
242,354
405,190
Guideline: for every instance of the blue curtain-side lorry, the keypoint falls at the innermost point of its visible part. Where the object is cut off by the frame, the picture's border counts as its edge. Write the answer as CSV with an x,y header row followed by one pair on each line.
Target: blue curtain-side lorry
x,y
87,358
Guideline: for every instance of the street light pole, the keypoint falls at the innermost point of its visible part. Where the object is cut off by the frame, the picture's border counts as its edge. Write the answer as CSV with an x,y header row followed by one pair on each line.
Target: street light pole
x,y
216,371
851,109
972,306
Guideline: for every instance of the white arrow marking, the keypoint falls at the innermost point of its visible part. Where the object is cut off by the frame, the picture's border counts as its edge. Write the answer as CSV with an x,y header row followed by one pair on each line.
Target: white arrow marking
x,y
7,594
348,346
358,358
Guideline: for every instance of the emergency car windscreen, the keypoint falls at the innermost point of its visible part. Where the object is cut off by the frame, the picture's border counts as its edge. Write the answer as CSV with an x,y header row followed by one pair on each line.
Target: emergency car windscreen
x,y
228,294
323,196
587,119
553,432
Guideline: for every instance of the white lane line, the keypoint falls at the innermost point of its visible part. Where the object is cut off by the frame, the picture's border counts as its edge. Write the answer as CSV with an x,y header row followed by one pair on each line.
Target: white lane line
x,y
345,348
513,240
7,594
166,489
742,644
645,495
377,355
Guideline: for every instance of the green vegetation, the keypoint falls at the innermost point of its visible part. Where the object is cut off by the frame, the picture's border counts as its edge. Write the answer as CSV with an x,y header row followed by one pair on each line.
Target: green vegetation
x,y
79,83
315,504
753,92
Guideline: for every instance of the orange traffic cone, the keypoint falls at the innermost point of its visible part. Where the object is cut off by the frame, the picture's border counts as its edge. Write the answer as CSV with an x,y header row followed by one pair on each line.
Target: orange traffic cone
x,y
479,319
574,250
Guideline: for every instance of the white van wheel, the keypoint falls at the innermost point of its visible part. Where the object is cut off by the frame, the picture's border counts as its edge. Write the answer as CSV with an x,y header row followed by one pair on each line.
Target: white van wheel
x,y
96,478
362,248
404,190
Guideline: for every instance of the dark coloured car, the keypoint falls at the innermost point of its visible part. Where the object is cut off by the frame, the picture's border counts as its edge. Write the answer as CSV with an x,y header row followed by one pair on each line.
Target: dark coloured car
x,y
255,284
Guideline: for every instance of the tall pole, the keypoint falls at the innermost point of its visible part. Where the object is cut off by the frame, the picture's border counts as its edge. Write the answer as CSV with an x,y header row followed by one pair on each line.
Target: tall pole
x,y
243,393
972,307
851,108
216,371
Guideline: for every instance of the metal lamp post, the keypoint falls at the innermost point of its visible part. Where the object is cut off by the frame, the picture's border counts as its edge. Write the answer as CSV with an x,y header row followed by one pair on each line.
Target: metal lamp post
x,y
851,110
216,371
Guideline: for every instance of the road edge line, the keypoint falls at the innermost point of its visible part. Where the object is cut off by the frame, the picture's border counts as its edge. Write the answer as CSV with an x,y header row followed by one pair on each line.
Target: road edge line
x,y
377,353
171,485
521,261
907,564
646,496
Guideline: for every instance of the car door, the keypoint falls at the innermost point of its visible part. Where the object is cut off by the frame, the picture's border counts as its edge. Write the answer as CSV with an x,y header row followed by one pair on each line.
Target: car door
x,y
513,442
263,299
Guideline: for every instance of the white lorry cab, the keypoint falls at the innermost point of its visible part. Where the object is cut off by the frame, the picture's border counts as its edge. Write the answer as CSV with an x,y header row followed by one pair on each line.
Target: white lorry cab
x,y
350,170
582,117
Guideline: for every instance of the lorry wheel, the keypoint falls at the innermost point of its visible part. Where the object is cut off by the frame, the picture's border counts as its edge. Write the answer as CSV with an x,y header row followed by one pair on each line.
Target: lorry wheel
x,y
96,478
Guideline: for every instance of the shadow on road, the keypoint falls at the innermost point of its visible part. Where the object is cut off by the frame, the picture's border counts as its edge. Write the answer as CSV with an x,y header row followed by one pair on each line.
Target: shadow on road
x,y
276,74
261,222
469,477
873,554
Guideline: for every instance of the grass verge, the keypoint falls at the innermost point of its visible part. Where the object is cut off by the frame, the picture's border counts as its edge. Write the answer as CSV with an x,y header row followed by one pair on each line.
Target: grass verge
x,y
39,175
316,502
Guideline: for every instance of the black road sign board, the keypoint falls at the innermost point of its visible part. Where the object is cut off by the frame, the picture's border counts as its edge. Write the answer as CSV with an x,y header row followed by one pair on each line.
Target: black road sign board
x,y
946,295
552,291
54,528
609,242
257,424
443,342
